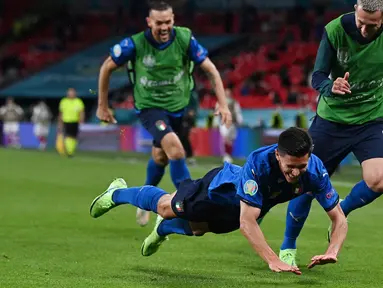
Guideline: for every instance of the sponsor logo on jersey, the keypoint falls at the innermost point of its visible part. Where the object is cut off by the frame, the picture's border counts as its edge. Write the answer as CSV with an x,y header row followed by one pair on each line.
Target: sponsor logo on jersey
x,y
144,81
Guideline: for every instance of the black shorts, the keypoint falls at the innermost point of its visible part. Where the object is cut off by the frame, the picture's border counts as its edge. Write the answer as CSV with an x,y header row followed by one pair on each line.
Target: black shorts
x,y
71,130
334,141
159,122
192,203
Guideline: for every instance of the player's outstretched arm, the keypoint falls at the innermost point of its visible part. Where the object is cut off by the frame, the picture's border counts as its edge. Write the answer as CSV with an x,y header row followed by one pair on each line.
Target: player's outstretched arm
x,y
251,230
217,84
338,235
106,70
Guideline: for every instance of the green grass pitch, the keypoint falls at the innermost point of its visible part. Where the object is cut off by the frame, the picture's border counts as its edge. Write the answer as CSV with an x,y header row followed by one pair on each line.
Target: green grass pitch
x,y
48,239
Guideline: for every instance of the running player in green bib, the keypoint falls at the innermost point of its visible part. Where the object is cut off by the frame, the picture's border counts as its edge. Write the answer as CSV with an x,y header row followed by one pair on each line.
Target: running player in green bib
x,y
160,61
350,110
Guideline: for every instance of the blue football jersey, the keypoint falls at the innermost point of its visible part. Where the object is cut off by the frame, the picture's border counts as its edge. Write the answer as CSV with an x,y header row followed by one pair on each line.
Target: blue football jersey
x,y
260,183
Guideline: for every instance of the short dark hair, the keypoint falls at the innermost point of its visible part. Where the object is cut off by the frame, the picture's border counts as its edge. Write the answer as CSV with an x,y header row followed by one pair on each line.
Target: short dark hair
x,y
159,5
295,142
370,6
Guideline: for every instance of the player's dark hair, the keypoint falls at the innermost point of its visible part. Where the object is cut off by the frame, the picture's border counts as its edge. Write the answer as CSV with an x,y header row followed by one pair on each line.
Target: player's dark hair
x,y
159,5
370,6
295,142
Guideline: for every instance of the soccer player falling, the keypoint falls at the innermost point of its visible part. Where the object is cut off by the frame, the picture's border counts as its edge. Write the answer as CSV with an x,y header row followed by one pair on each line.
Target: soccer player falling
x,y
350,110
160,61
233,197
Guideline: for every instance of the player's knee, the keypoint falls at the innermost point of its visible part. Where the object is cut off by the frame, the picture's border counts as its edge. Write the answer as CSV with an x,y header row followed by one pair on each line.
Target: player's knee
x,y
176,152
375,181
164,207
173,146
160,158
373,174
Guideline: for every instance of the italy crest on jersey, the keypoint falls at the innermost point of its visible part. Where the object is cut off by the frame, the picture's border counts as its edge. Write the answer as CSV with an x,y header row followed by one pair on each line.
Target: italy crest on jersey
x,y
250,187
343,56
149,61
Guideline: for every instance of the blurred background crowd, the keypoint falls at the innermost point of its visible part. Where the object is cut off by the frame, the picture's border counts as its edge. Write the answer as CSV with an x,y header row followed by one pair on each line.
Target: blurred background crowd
x,y
264,50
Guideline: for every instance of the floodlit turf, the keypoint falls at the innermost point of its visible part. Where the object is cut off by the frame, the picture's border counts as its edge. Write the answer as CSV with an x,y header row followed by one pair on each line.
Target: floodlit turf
x,y
48,239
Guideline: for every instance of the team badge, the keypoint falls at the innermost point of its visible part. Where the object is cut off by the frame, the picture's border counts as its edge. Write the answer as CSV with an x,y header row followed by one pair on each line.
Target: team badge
x,y
250,187
180,206
343,56
160,125
298,190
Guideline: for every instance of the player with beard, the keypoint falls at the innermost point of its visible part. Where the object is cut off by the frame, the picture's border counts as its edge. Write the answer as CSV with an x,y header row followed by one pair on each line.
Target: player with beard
x,y
160,62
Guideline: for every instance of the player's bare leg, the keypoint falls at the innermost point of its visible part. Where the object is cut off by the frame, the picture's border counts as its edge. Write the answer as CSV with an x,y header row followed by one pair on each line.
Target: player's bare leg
x,y
160,158
373,174
176,154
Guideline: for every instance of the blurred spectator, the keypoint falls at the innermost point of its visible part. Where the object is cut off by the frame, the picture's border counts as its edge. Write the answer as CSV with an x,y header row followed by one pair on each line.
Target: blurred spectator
x,y
276,119
275,98
293,96
41,116
247,88
230,134
301,119
11,115
210,120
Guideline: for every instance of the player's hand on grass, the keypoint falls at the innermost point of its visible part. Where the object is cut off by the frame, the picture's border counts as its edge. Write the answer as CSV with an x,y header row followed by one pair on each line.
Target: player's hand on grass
x,y
341,85
279,266
225,113
322,260
104,114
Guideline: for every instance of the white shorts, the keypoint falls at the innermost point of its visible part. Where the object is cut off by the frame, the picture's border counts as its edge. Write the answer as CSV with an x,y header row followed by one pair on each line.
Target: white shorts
x,y
41,130
228,134
11,127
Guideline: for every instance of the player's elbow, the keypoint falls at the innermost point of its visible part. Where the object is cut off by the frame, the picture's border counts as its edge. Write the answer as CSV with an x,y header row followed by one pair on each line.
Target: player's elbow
x,y
108,66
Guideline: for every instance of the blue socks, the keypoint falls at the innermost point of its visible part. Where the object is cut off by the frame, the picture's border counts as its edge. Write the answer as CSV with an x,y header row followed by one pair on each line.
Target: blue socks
x,y
174,226
299,209
297,213
154,173
359,196
178,171
145,197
